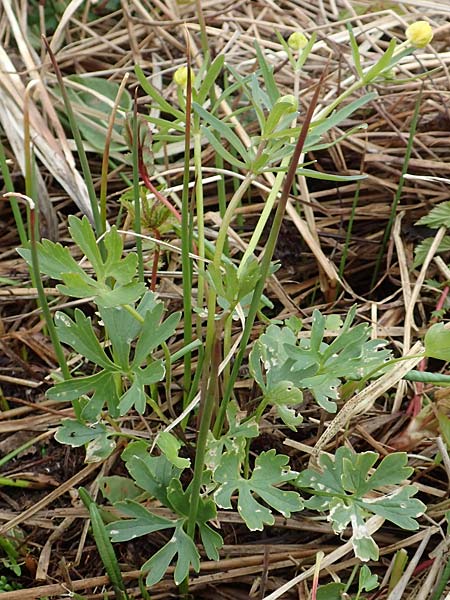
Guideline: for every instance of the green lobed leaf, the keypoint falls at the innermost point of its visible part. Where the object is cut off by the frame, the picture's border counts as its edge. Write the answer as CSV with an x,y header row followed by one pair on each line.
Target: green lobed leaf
x,y
126,294
72,389
270,470
79,334
330,591
141,522
349,492
234,440
54,259
153,333
180,545
83,235
76,434
366,580
170,447
151,473
79,286
99,449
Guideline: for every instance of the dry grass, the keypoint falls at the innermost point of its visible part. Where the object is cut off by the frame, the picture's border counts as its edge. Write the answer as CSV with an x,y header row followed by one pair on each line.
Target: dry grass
x,y
60,555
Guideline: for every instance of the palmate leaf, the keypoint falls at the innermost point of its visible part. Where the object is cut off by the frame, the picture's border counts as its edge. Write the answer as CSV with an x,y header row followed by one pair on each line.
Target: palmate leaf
x,y
180,500
315,364
345,489
181,546
153,332
83,235
270,470
117,489
140,521
170,447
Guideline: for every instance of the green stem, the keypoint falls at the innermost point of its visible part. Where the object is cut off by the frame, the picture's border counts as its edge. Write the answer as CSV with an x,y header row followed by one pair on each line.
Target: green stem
x,y
79,144
439,590
130,309
43,299
349,232
13,201
268,206
398,193
228,217
136,192
227,332
21,483
207,407
22,447
266,260
186,244
388,363
203,34
200,217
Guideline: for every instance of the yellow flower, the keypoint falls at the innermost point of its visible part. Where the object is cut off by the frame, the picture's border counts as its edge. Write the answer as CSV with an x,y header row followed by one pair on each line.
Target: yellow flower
x,y
419,34
181,76
297,41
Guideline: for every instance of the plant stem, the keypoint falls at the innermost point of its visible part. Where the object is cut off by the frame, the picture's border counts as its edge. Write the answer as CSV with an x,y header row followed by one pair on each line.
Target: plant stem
x,y
136,191
265,263
349,232
200,216
186,243
228,217
79,144
207,407
203,34
13,201
105,159
42,297
398,193
439,590
268,206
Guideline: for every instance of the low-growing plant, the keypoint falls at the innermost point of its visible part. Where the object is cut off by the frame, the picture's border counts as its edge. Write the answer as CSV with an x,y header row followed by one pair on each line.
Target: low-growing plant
x,y
126,351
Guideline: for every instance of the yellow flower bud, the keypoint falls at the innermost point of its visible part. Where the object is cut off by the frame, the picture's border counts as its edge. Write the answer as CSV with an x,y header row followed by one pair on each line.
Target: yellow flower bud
x,y
297,40
181,76
419,34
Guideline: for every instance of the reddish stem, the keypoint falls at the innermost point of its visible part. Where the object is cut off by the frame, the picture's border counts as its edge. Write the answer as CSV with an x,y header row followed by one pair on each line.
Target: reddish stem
x,y
155,261
149,185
